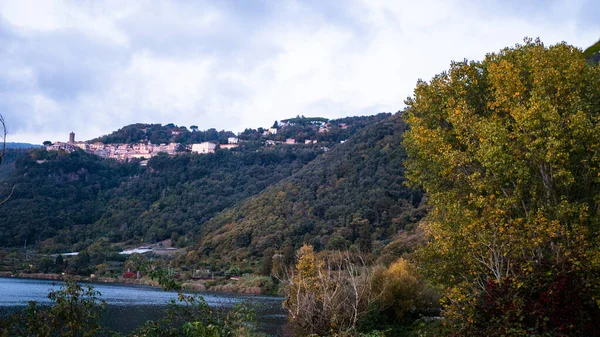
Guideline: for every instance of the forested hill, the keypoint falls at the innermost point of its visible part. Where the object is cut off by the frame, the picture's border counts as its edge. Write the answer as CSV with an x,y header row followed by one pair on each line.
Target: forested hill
x,y
65,201
300,129
57,195
352,195
160,134
78,197
8,161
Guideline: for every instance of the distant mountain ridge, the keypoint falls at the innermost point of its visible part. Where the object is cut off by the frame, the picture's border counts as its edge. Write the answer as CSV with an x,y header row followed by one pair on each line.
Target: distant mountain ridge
x,y
11,145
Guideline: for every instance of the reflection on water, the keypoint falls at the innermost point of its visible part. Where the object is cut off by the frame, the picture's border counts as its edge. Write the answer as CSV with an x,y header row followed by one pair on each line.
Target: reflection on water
x,y
129,306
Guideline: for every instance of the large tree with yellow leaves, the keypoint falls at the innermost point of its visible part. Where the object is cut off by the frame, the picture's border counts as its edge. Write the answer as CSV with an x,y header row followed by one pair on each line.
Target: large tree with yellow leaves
x,y
508,150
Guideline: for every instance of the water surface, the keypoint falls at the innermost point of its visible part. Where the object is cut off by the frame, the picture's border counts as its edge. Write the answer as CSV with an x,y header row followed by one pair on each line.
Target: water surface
x,y
129,306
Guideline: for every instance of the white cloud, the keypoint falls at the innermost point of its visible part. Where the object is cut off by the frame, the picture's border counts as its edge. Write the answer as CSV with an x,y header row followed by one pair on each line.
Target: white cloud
x,y
226,66
34,17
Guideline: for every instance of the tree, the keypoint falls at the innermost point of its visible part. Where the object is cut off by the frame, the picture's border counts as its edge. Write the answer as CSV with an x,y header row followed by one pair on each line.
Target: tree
x,y
3,133
81,264
364,233
267,261
59,260
136,262
47,143
194,128
508,150
288,254
591,50
404,291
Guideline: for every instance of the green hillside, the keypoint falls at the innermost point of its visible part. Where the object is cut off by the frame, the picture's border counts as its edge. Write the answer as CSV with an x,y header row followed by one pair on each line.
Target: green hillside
x,y
57,195
67,201
159,134
321,130
8,162
352,195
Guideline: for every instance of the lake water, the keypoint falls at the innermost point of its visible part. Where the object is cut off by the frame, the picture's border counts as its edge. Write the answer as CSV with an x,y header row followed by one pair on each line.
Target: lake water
x,y
128,306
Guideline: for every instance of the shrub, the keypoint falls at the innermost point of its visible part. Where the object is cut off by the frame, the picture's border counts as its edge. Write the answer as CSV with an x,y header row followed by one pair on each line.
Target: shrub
x,y
330,294
75,312
403,290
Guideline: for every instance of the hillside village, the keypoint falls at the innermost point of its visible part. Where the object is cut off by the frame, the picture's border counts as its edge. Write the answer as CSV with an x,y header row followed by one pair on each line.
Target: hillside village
x,y
125,152
145,149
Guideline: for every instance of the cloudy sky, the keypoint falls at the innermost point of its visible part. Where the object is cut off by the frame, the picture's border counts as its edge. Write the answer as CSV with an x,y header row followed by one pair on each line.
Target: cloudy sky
x,y
94,66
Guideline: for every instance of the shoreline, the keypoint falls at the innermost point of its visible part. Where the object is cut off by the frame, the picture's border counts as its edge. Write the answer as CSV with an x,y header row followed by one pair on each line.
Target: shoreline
x,y
60,277
188,285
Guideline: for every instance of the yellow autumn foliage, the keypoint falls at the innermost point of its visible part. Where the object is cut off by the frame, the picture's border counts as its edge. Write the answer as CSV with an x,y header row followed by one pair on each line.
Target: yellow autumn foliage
x,y
403,289
508,151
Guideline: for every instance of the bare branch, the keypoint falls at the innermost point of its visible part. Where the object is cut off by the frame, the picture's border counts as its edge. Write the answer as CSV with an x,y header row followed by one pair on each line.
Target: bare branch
x,y
3,133
10,195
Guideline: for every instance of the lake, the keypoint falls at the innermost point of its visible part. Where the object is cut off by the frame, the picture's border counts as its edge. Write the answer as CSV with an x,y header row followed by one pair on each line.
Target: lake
x,y
128,306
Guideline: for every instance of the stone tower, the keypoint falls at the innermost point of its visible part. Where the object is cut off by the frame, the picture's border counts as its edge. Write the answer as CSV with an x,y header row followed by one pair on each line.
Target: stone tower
x,y
71,137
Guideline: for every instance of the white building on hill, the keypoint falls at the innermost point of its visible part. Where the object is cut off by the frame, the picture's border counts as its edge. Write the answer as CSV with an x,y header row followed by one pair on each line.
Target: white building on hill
x,y
205,147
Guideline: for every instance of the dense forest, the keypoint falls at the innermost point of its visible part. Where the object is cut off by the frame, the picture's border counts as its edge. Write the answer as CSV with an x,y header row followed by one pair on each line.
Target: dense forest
x,y
8,161
56,195
76,197
354,195
65,201
162,134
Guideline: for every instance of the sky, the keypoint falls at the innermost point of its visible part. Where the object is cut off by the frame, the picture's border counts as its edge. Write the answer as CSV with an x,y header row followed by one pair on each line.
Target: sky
x,y
93,66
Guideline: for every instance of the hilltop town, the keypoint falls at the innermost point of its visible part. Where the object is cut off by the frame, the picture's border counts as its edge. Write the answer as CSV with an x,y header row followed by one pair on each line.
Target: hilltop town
x,y
124,152
174,139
